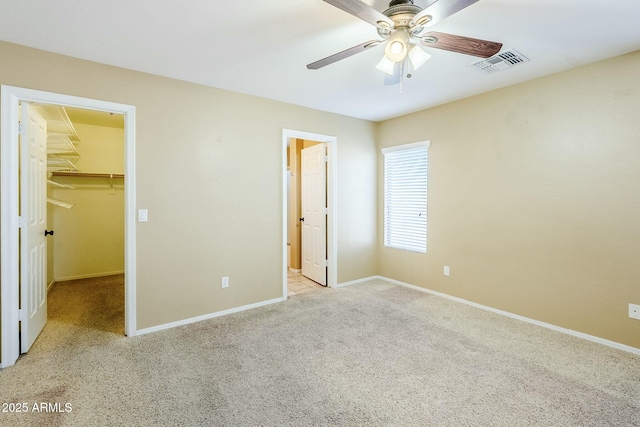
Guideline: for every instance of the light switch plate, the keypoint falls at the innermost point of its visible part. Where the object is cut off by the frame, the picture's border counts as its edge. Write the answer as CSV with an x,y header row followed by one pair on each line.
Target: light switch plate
x,y
143,215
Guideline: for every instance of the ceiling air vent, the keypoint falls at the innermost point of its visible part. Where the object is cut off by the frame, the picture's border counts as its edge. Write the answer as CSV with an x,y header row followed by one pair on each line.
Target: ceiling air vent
x,y
502,61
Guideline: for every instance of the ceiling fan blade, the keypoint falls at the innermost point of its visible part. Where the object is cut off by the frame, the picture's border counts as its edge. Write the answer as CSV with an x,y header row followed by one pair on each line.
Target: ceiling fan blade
x,y
342,55
361,10
460,44
439,10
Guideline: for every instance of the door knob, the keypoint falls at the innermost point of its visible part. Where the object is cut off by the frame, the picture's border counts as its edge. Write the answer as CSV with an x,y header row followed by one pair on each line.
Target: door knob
x,y
302,219
48,233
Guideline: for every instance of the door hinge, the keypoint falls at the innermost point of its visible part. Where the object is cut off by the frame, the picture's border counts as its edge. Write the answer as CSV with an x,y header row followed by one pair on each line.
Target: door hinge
x,y
326,211
326,159
22,131
20,222
326,263
22,315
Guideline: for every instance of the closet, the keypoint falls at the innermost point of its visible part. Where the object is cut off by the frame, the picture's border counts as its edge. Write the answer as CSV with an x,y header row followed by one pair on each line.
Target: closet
x,y
85,192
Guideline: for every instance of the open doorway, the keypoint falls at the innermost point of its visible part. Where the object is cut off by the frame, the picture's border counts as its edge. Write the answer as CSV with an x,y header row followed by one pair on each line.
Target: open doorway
x,y
85,213
63,197
309,211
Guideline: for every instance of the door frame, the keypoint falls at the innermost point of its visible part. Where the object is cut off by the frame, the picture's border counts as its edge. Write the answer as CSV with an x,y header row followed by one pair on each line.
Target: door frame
x,y
332,186
10,98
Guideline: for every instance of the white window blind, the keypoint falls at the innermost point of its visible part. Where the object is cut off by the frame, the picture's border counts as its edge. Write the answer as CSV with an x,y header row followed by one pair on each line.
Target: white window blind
x,y
405,197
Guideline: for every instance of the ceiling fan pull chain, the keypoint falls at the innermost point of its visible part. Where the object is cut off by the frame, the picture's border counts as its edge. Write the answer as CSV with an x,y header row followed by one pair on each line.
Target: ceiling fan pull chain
x,y
404,63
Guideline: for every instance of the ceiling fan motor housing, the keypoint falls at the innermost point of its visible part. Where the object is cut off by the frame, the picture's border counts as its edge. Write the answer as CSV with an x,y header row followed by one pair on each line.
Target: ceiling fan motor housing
x,y
401,12
398,2
399,8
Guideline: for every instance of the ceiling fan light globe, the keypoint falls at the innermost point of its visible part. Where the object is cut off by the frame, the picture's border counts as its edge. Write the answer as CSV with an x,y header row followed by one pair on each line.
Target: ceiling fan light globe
x,y
398,46
386,66
396,50
418,57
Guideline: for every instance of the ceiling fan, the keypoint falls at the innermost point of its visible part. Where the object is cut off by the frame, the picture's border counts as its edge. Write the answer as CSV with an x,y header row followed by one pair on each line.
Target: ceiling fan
x,y
402,26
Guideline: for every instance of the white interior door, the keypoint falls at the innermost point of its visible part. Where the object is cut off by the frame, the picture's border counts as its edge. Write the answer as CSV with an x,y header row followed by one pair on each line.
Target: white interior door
x,y
314,212
33,213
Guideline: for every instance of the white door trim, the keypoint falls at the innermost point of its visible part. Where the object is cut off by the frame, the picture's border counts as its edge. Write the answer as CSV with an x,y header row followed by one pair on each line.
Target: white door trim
x,y
332,186
10,98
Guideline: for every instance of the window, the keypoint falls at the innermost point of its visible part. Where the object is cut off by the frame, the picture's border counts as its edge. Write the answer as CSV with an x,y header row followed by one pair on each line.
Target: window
x,y
405,197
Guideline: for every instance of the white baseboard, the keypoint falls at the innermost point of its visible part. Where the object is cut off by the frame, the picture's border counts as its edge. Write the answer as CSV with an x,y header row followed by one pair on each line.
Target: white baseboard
x,y
207,316
577,334
50,285
88,276
295,270
353,282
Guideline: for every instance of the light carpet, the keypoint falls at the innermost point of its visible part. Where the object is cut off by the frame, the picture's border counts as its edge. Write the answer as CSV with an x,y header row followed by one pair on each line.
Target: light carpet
x,y
369,354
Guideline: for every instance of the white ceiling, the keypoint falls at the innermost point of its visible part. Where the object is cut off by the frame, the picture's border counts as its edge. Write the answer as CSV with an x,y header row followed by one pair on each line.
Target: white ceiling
x,y
261,47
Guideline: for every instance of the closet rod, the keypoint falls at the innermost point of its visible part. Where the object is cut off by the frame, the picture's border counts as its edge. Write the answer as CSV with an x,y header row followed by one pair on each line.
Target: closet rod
x,y
88,175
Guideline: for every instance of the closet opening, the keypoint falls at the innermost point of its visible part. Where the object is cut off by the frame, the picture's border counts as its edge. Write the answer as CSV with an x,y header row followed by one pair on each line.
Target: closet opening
x,y
85,212
67,215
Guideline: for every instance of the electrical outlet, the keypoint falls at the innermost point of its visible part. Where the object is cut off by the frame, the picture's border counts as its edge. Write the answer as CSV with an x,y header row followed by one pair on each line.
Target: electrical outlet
x,y
634,311
225,282
446,270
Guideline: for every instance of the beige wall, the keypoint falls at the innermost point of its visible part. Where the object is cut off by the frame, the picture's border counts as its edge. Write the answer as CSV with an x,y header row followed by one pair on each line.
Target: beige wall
x,y
209,170
89,238
534,199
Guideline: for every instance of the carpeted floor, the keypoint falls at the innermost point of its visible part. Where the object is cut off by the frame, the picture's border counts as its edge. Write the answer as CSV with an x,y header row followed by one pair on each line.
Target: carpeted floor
x,y
368,354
